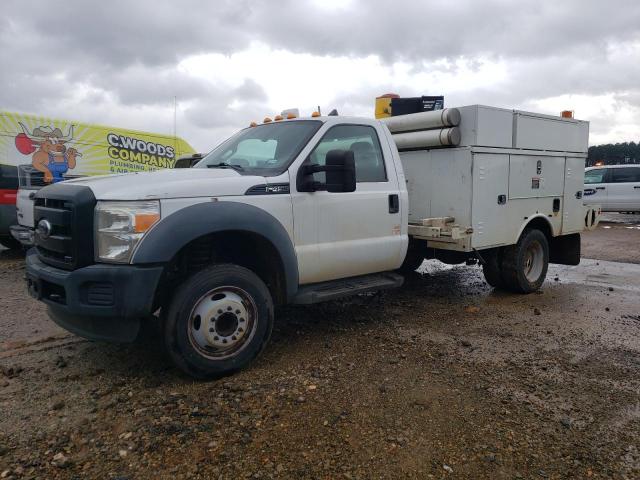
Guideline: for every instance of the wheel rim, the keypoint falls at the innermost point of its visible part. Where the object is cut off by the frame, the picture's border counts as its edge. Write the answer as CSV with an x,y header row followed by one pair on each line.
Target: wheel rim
x,y
533,261
222,322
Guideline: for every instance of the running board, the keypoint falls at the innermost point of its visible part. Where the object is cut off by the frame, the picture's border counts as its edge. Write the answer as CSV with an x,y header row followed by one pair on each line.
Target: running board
x,y
321,292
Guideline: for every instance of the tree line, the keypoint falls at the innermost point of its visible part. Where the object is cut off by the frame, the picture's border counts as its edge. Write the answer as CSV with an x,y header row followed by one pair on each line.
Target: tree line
x,y
614,154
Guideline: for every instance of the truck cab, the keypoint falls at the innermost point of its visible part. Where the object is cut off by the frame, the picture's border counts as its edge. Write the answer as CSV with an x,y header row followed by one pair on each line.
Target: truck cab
x,y
275,208
291,211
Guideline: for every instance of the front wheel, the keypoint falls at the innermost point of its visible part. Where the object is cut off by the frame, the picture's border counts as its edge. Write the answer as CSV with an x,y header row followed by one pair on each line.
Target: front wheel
x,y
525,264
218,321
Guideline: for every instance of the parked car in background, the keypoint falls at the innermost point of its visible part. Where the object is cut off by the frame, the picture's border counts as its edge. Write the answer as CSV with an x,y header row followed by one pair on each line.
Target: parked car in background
x,y
616,188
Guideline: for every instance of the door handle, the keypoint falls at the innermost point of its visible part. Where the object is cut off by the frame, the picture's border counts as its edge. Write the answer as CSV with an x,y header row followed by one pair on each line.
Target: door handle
x,y
599,188
637,186
394,203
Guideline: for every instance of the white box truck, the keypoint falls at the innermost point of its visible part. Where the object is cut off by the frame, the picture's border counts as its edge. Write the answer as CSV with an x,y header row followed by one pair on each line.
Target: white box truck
x,y
304,210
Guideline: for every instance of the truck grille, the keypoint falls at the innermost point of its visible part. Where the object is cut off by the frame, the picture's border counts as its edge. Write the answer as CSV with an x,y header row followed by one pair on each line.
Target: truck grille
x,y
63,218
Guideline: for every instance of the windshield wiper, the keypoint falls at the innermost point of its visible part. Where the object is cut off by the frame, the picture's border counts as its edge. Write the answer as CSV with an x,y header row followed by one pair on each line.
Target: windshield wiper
x,y
227,165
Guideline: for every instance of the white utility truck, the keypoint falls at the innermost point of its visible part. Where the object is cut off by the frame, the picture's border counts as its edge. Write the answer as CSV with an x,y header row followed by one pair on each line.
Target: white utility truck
x,y
303,211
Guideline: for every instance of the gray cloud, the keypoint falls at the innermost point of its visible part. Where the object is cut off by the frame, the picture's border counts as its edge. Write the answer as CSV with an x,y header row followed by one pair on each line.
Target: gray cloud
x,y
116,61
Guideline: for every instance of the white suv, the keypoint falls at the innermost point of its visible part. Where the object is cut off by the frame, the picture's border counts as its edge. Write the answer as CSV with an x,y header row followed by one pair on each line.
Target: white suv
x,y
616,188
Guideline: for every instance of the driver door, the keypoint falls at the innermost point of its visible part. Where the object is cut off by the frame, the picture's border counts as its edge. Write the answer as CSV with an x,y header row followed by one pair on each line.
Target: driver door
x,y
345,234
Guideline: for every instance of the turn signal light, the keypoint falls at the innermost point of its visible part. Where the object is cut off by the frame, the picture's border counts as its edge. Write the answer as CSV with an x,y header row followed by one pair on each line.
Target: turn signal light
x,y
277,118
315,114
290,116
253,124
144,221
266,120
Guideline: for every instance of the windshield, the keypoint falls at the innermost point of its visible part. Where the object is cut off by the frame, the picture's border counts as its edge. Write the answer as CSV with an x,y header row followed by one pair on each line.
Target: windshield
x,y
265,150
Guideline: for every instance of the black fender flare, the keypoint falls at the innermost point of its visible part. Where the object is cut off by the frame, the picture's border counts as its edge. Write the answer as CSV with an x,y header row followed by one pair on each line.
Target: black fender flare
x,y
172,233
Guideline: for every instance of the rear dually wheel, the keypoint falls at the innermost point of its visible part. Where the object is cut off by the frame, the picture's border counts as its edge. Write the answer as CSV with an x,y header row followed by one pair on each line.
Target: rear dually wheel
x,y
524,265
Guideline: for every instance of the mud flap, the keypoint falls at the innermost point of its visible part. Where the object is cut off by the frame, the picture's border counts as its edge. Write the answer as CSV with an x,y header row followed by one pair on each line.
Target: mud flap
x,y
565,249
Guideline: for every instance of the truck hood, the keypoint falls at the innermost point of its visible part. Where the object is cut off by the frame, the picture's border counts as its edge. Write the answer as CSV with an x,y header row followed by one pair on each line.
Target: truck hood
x,y
176,183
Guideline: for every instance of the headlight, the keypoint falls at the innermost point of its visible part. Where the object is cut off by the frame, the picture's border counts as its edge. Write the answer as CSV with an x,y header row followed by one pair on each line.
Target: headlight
x,y
120,226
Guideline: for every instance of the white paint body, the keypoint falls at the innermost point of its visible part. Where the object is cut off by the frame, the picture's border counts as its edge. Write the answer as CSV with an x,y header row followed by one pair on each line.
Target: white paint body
x,y
465,183
339,235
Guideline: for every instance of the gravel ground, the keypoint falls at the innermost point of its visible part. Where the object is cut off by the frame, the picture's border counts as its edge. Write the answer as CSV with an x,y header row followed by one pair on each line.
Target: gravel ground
x,y
613,237
444,378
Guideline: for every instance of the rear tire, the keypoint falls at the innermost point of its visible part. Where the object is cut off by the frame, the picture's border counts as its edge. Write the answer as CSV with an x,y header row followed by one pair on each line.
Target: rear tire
x,y
218,321
525,264
492,270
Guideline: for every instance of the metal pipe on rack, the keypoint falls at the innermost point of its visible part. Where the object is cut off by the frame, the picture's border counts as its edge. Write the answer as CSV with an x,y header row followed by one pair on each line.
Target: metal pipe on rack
x,y
449,117
428,138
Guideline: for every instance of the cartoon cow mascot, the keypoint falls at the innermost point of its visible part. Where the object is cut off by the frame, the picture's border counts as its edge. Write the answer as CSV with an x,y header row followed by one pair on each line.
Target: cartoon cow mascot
x,y
51,156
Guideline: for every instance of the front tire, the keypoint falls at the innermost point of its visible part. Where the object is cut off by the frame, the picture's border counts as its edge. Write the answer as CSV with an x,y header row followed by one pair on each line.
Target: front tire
x,y
218,321
525,264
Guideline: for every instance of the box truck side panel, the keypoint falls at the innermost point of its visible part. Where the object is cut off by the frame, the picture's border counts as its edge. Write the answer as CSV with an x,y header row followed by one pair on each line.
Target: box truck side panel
x,y
88,149
439,184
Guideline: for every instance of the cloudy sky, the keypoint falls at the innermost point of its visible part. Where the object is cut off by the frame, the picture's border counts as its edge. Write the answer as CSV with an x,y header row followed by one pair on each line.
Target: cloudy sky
x,y
230,62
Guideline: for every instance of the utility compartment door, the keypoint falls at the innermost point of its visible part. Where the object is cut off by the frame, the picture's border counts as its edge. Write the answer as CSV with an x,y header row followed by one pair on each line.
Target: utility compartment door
x,y
534,176
572,208
490,199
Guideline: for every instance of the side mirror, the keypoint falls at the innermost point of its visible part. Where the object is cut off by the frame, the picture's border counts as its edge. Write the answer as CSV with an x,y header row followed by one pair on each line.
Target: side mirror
x,y
340,171
188,161
341,174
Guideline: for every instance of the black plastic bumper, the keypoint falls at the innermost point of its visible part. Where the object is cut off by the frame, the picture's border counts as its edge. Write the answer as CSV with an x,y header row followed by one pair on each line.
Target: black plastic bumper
x,y
99,302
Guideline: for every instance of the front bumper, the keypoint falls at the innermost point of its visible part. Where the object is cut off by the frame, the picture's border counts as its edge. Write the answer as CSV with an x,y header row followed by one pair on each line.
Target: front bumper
x,y
23,234
99,302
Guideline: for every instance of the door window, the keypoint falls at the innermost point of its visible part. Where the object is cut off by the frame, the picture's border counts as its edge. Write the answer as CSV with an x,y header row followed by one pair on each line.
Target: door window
x,y
625,175
595,176
363,141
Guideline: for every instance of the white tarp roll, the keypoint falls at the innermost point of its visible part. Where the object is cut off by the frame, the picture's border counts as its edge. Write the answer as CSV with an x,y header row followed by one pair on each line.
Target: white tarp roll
x,y
428,138
449,117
